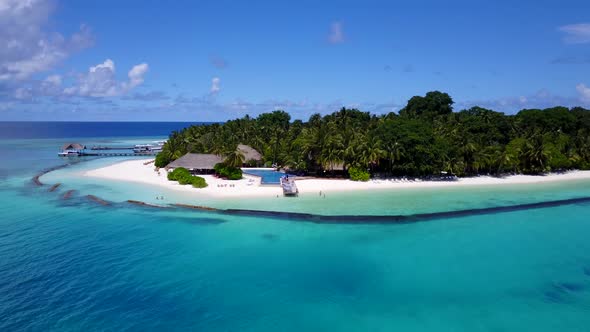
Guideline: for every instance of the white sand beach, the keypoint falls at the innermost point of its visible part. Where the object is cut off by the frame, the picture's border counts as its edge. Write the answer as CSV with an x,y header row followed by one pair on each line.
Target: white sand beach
x,y
249,186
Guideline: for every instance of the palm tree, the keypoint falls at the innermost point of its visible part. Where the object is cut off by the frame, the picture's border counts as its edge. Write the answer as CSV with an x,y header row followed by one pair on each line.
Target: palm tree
x,y
534,154
468,150
175,147
506,159
395,152
365,151
234,157
374,151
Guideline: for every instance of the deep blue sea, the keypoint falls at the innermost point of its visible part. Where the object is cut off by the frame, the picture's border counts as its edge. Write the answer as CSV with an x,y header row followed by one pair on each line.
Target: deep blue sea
x,y
74,265
15,130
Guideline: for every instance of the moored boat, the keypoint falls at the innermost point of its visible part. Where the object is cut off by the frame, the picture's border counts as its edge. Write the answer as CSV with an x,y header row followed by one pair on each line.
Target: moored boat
x,y
71,150
289,187
147,148
69,153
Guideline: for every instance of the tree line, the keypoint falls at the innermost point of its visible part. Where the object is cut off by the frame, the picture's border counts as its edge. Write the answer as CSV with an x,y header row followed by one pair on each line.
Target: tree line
x,y
426,138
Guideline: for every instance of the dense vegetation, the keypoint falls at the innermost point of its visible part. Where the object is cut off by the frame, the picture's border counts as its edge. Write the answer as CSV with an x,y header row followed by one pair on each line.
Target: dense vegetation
x,y
425,138
357,174
227,171
183,176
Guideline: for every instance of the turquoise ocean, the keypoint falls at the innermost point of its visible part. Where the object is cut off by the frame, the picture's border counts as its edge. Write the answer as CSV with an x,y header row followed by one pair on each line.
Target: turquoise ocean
x,y
72,264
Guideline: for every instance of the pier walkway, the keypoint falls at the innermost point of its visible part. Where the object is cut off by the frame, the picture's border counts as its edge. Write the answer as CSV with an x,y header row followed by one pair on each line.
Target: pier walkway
x,y
101,147
118,154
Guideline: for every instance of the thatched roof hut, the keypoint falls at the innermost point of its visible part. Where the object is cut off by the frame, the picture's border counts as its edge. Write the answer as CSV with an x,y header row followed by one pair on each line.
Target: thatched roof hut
x,y
203,163
249,152
196,161
73,146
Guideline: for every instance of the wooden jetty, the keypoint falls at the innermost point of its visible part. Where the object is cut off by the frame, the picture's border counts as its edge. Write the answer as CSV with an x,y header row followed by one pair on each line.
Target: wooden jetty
x,y
116,154
79,150
101,147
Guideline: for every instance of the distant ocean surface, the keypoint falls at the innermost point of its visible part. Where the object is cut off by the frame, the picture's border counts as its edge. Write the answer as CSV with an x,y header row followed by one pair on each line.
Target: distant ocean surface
x,y
88,129
74,265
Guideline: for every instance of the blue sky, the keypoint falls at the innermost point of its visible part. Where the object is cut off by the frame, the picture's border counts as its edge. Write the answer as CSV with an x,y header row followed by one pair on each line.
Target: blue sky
x,y
218,60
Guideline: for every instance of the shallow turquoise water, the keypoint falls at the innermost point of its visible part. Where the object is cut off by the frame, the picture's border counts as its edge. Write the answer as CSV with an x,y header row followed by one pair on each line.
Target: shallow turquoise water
x,y
379,202
75,265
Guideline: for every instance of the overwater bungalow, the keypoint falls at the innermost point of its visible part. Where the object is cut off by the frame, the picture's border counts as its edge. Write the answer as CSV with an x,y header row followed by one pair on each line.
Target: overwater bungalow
x,y
71,150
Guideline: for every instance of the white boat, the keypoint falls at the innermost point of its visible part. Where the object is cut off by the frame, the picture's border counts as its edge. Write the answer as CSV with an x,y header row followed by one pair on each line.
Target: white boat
x,y
72,150
147,148
289,186
69,153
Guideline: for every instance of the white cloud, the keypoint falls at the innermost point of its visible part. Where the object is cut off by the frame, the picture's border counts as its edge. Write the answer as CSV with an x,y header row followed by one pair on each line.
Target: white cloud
x,y
215,85
23,94
336,35
100,81
576,33
27,46
51,86
136,74
540,99
53,80
108,64
4,106
584,92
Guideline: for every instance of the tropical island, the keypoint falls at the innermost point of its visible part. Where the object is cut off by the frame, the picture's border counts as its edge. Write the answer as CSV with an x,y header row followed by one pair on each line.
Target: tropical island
x,y
426,145
427,138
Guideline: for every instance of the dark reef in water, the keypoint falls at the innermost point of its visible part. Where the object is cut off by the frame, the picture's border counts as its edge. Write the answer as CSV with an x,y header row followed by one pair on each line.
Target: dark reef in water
x,y
560,292
54,187
571,286
194,207
38,182
201,221
363,219
359,219
140,203
270,236
68,194
98,200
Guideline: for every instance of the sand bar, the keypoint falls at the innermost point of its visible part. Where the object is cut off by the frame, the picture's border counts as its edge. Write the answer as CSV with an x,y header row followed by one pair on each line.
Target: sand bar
x,y
249,186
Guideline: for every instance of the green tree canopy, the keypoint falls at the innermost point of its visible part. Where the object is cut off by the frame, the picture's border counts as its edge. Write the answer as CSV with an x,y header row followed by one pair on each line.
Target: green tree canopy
x,y
426,138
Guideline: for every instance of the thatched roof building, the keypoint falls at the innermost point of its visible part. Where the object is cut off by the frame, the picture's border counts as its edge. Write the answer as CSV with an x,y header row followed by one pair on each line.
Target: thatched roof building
x,y
73,146
196,161
249,152
203,163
